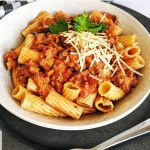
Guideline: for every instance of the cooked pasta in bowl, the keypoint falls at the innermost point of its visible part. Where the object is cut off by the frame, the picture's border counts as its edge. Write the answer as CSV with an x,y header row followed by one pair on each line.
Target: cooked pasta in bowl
x,y
73,68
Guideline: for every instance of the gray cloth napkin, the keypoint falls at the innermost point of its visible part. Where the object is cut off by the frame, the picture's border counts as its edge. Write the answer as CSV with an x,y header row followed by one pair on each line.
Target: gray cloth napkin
x,y
7,6
10,5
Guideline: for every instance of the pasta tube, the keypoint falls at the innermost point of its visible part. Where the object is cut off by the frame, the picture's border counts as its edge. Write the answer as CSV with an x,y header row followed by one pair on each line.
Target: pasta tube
x,y
27,43
14,77
48,61
136,63
18,92
118,30
103,104
110,91
89,110
18,49
31,85
127,40
31,28
70,91
41,15
36,104
87,101
96,16
29,40
64,105
35,25
131,52
27,54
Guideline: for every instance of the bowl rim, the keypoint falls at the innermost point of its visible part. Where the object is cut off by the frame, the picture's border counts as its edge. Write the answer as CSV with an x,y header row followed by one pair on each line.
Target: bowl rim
x,y
82,127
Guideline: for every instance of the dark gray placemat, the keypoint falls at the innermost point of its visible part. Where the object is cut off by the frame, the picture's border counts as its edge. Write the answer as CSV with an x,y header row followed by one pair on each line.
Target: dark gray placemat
x,y
67,139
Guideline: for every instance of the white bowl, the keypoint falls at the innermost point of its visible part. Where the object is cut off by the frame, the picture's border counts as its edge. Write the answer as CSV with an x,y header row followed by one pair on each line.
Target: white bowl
x,y
10,28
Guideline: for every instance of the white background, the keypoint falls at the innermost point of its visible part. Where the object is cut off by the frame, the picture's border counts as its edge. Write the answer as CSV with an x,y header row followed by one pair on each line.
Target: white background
x,y
142,6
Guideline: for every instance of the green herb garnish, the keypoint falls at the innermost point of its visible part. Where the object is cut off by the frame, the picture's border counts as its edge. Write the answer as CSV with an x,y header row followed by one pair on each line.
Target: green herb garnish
x,y
82,23
60,26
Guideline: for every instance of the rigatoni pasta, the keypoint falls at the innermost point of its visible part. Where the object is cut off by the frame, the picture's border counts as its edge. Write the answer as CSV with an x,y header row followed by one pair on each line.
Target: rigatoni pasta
x,y
110,91
88,110
103,104
71,66
87,101
70,91
136,62
14,77
19,92
36,104
40,16
35,25
31,85
31,28
97,16
131,52
64,105
127,40
27,43
18,49
27,54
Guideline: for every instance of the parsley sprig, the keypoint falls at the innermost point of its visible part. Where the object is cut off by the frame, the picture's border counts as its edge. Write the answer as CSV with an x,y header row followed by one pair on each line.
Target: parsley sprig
x,y
60,26
79,23
83,23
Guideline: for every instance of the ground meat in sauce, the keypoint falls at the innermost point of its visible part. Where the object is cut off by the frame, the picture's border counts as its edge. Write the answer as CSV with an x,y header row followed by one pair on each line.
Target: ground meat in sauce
x,y
126,83
40,76
42,81
46,22
113,38
70,60
23,74
11,59
47,61
85,82
47,41
33,67
61,75
55,56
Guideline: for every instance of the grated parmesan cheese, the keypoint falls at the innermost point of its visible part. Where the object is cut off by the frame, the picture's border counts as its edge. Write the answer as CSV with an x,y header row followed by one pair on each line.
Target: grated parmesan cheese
x,y
87,44
114,71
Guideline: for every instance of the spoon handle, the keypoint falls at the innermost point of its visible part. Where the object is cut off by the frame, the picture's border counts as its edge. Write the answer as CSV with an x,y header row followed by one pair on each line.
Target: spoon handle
x,y
133,132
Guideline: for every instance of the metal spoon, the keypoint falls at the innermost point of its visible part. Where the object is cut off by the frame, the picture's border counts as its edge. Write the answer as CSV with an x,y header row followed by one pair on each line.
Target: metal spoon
x,y
133,132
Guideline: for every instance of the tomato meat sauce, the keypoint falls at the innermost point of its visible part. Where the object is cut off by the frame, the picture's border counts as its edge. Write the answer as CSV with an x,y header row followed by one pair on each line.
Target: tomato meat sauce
x,y
55,56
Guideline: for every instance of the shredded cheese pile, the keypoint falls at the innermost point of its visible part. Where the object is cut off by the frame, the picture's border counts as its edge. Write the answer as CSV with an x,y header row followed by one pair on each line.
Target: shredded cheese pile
x,y
86,44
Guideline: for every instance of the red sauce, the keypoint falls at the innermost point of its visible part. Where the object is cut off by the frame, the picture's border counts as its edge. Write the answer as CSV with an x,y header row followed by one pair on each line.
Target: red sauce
x,y
64,65
126,83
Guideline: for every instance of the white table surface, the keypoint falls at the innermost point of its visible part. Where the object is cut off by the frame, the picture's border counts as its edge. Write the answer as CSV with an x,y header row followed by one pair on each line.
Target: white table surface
x,y
142,6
